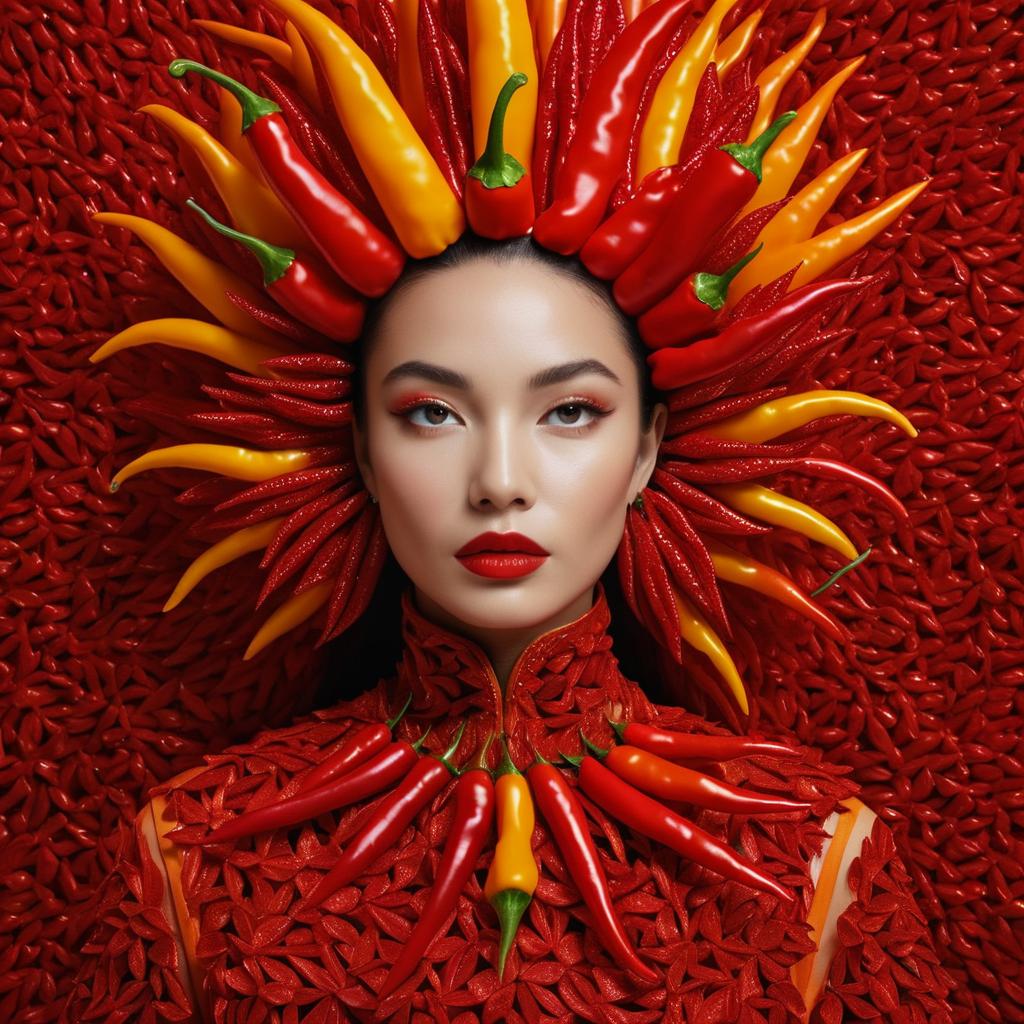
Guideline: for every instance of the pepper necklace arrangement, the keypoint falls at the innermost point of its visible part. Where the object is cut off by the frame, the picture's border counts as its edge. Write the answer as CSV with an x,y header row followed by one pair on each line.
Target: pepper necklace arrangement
x,y
628,781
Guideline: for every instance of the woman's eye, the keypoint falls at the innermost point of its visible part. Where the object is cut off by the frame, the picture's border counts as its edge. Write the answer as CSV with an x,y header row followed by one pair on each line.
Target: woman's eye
x,y
431,415
575,414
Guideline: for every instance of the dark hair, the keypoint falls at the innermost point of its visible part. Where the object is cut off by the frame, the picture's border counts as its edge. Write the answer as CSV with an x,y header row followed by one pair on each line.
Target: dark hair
x,y
471,248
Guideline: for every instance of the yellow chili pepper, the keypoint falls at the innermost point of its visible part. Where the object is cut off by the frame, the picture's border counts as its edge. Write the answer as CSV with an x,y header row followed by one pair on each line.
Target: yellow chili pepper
x,y
697,633
225,459
771,507
665,126
818,255
230,131
736,44
241,542
796,221
548,16
292,613
734,567
512,877
423,210
205,279
277,50
774,77
195,336
410,73
302,68
500,44
781,415
782,163
253,207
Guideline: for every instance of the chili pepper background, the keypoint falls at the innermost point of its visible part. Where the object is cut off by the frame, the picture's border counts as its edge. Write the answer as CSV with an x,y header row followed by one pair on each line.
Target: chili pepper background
x,y
103,695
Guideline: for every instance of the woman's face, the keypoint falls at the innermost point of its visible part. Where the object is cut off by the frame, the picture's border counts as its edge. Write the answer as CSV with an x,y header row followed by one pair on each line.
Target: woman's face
x,y
501,399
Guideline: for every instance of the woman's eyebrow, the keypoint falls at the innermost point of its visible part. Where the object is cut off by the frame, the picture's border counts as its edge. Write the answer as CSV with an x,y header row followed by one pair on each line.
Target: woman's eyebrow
x,y
543,379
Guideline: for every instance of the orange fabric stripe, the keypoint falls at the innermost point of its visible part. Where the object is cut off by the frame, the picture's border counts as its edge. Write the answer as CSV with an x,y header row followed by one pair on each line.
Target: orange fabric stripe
x,y
823,892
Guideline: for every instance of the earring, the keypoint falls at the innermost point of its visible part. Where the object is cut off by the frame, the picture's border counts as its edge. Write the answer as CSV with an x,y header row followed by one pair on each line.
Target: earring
x,y
638,501
373,499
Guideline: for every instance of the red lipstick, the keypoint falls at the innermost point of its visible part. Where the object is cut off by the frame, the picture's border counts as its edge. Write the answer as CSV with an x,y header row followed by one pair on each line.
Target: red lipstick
x,y
502,556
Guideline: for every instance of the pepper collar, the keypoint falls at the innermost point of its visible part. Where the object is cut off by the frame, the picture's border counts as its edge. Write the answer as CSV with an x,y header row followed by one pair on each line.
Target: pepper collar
x,y
565,678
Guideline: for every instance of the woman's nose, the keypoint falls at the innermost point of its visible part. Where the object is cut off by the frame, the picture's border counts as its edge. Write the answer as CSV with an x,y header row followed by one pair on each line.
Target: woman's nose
x,y
502,474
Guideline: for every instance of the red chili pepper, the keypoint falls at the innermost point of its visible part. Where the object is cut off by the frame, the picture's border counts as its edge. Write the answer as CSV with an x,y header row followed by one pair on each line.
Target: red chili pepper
x,y
675,367
691,309
584,183
352,752
301,284
668,781
683,746
359,252
721,183
390,765
567,822
420,785
499,193
649,818
474,813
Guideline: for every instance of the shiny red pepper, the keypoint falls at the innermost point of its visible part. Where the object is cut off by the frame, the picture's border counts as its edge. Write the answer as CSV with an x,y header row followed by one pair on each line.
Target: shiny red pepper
x,y
474,813
395,813
675,367
568,826
686,746
690,309
721,184
353,751
359,252
604,127
499,193
649,818
302,285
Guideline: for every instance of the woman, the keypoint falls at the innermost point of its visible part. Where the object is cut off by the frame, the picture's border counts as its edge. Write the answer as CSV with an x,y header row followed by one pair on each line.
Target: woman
x,y
509,447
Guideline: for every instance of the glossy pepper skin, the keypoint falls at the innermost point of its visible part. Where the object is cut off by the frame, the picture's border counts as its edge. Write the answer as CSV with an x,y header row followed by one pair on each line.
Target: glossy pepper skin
x,y
676,367
684,746
428,776
499,193
690,309
568,826
353,751
723,180
471,824
604,126
646,816
302,285
358,251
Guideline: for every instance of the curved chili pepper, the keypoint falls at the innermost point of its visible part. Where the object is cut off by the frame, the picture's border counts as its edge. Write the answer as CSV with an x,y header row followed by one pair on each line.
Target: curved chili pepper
x,y
736,45
675,367
353,751
361,254
669,781
302,285
604,128
646,816
297,609
567,822
390,765
512,877
686,746
499,193
690,309
419,786
723,180
474,812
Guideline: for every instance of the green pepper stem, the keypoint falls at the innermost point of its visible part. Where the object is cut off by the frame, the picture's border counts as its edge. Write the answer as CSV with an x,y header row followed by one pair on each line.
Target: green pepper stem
x,y
496,168
574,761
597,751
620,729
507,766
481,758
445,757
274,259
419,743
392,722
539,758
253,105
711,288
510,905
750,156
841,572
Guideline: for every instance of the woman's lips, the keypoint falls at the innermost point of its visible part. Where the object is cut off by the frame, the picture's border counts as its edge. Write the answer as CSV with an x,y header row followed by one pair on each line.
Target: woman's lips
x,y
502,556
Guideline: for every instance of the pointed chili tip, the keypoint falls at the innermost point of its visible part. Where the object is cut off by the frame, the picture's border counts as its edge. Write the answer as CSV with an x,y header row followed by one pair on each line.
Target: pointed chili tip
x,y
392,722
598,752
445,758
419,743
574,761
620,729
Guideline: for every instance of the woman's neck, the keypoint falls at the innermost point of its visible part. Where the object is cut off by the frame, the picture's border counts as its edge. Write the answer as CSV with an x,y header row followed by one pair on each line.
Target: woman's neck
x,y
504,646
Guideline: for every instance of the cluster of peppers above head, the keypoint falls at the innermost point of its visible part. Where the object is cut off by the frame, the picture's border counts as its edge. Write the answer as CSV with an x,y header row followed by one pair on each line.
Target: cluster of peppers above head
x,y
628,781
637,136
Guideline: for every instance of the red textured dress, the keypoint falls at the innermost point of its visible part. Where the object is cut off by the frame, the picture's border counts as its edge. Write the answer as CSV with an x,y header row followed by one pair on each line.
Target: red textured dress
x,y
218,942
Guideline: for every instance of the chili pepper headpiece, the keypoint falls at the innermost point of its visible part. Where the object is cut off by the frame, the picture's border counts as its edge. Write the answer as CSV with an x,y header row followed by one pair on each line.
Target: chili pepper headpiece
x,y
636,137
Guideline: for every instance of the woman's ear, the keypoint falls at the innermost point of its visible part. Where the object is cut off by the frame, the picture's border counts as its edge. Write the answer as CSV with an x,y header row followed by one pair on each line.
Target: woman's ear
x,y
362,453
650,442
